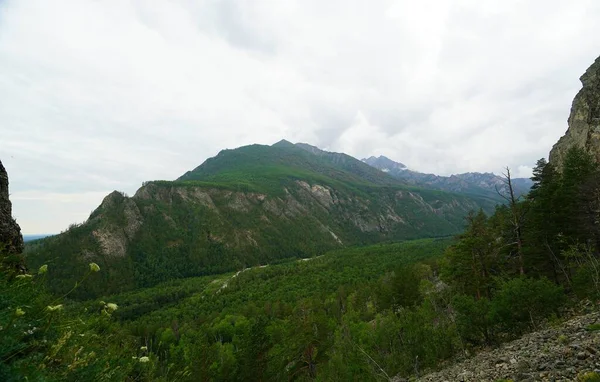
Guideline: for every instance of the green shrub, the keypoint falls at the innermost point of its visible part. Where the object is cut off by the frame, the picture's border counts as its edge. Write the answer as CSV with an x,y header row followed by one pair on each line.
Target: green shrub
x,y
521,303
593,327
591,376
473,319
584,283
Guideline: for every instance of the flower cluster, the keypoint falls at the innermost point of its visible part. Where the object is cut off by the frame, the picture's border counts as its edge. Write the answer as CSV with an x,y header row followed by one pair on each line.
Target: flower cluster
x,y
108,307
94,267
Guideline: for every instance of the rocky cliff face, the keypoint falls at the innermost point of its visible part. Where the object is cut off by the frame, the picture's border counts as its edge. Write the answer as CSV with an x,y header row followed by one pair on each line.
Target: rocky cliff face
x,y
168,230
10,232
584,120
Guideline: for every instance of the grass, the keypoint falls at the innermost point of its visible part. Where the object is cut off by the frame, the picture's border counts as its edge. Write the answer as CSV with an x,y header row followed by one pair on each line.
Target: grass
x,y
593,327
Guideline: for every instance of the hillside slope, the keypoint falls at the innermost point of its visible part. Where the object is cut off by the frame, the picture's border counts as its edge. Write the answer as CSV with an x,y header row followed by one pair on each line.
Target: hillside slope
x,y
248,206
564,353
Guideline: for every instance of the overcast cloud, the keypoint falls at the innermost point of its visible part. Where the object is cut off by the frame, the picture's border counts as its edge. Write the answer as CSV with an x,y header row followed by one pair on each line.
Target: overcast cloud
x,y
103,95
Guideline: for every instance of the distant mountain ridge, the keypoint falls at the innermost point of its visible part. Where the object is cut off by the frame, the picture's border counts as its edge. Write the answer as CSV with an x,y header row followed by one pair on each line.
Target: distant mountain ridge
x,y
244,207
384,164
27,238
472,183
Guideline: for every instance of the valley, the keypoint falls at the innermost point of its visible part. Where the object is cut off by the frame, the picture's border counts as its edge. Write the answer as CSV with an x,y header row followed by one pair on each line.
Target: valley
x,y
245,207
288,262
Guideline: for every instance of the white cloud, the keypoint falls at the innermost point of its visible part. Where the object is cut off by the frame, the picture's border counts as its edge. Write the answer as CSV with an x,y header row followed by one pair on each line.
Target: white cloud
x,y
40,212
101,95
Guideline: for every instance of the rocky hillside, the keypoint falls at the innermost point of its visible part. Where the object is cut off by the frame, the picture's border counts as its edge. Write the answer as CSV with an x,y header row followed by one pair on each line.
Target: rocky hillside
x,y
471,183
566,352
10,232
244,207
563,353
584,121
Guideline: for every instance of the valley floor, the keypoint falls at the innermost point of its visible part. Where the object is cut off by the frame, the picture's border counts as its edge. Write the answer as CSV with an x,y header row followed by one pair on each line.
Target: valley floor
x,y
563,353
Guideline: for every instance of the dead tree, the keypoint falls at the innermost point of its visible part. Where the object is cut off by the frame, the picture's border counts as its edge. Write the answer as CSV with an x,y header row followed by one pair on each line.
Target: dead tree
x,y
516,217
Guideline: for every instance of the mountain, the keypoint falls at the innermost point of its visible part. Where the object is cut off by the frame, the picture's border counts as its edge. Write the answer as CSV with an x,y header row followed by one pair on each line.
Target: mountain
x,y
584,121
472,183
260,167
248,206
385,164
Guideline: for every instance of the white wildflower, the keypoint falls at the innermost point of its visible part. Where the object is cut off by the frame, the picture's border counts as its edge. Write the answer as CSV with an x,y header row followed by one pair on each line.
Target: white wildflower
x,y
112,306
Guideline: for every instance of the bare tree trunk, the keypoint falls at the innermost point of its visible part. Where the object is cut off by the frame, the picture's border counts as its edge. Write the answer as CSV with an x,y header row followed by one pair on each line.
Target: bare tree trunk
x,y
516,219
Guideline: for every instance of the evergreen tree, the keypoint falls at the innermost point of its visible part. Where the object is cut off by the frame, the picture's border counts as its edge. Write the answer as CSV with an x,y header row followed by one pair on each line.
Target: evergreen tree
x,y
469,262
543,253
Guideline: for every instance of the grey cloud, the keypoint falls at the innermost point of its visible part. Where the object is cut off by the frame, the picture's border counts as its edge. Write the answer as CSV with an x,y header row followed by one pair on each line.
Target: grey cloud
x,y
99,96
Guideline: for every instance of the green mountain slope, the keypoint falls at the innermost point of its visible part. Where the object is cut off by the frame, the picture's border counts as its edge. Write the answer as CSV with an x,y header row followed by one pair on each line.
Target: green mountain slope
x,y
249,206
265,168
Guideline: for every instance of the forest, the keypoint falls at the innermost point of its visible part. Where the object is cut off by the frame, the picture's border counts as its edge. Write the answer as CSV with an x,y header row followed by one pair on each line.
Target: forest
x,y
365,313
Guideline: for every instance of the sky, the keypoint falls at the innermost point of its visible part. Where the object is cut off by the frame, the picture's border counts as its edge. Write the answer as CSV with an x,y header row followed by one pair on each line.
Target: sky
x,y
103,95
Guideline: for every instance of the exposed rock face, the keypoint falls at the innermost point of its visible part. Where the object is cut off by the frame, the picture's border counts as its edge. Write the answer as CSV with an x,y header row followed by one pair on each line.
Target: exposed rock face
x,y
561,353
113,238
584,121
10,232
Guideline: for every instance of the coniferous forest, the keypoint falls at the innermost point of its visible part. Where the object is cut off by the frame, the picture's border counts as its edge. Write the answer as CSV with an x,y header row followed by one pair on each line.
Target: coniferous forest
x,y
362,313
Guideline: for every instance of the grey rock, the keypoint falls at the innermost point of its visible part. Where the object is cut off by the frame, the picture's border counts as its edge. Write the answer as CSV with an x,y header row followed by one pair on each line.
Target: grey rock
x,y
584,121
530,358
542,366
10,232
523,366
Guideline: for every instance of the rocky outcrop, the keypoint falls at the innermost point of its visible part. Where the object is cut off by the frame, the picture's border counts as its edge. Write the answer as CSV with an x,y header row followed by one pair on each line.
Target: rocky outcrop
x,y
114,238
584,120
560,353
10,232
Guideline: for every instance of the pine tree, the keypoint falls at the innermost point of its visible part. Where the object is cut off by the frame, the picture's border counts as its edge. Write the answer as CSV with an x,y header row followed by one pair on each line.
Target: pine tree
x,y
543,252
469,262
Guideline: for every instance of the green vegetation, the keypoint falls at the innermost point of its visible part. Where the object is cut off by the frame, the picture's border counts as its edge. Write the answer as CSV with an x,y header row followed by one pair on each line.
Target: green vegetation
x,y
268,167
293,320
246,207
592,376
45,338
593,327
362,313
